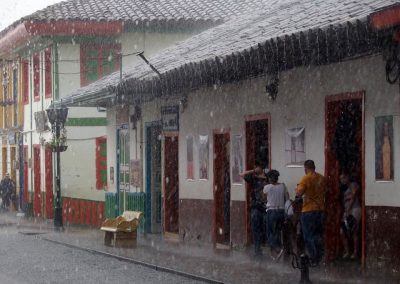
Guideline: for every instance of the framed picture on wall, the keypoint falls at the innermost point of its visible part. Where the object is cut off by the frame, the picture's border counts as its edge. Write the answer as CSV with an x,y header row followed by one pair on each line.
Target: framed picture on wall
x,y
295,150
384,148
189,158
237,166
203,156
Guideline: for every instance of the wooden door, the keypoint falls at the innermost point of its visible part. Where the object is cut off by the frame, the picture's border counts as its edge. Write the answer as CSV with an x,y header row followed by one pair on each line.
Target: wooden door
x,y
37,196
171,184
49,182
222,188
336,108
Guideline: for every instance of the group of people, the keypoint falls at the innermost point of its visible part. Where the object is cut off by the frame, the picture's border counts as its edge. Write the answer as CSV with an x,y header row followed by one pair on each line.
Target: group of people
x,y
272,208
7,192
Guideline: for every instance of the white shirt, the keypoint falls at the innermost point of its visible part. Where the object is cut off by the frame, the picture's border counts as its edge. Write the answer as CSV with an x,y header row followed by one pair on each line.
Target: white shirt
x,y
276,195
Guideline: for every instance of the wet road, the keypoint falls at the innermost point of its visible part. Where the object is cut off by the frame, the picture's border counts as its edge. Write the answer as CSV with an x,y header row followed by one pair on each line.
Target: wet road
x,y
28,259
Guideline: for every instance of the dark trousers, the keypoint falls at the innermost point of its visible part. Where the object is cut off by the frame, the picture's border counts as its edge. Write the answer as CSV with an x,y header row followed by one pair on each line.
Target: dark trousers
x,y
257,225
275,219
312,227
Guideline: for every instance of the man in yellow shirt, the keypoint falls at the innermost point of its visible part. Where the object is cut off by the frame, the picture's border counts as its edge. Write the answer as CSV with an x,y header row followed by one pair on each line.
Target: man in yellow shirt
x,y
312,188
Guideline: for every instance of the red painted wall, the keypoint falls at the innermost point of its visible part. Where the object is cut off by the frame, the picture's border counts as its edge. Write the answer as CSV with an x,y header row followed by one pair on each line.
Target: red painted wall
x,y
83,212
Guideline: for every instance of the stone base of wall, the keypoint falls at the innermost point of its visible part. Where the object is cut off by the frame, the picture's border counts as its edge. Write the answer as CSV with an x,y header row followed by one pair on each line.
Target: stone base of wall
x,y
196,221
383,238
83,212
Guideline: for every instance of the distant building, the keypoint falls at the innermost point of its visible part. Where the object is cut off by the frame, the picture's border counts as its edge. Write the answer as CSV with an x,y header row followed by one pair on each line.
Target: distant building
x,y
48,54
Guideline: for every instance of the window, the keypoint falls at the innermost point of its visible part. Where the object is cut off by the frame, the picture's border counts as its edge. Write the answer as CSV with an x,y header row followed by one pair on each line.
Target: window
x,y
101,162
25,81
48,73
36,77
98,61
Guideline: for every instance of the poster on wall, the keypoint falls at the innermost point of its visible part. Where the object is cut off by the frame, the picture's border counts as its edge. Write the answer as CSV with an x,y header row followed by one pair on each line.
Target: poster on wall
x,y
203,156
135,173
384,168
295,146
189,157
237,166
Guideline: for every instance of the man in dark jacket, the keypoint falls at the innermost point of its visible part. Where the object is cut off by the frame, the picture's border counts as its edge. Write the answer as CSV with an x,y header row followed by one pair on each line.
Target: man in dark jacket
x,y
7,186
257,180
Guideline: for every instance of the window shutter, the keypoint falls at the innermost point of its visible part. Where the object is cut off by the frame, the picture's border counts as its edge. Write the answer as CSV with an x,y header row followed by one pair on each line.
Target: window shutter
x,y
101,162
36,77
48,72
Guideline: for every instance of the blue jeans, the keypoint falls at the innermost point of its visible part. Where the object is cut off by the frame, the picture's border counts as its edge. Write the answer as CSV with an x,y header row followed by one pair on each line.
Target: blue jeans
x,y
257,226
275,219
312,226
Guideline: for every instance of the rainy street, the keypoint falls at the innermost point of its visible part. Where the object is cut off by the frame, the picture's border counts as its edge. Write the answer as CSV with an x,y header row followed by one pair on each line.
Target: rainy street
x,y
28,259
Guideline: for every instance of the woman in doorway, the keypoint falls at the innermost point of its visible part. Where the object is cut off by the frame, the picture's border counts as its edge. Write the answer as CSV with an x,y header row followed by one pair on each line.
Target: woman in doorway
x,y
351,217
276,194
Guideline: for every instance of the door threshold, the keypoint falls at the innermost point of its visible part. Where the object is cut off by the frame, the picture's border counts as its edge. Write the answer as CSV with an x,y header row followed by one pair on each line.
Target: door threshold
x,y
171,236
222,246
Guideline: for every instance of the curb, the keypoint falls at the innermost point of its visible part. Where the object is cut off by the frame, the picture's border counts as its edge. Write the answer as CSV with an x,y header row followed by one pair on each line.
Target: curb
x,y
138,262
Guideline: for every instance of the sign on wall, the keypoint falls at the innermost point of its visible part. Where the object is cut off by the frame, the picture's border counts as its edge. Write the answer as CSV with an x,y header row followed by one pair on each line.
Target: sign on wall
x,y
135,173
189,157
170,118
237,166
295,149
384,168
203,156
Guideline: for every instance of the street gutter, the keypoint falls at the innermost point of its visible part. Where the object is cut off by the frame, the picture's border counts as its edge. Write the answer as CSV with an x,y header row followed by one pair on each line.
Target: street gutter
x,y
138,262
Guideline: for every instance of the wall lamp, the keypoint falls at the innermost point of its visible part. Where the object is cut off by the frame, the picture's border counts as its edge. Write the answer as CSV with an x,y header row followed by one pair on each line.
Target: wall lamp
x,y
183,103
272,87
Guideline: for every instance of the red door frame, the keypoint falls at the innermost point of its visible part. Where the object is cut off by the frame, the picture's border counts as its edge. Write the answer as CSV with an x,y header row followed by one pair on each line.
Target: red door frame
x,y
227,132
37,194
249,118
360,95
49,182
170,135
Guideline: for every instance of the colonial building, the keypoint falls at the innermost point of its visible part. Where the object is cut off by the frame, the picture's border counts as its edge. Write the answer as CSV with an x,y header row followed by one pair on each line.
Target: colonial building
x,y
278,86
50,53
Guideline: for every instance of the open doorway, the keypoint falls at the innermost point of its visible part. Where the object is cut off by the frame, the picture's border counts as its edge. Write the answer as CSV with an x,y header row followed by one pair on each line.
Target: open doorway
x,y
222,188
258,150
153,177
344,153
171,185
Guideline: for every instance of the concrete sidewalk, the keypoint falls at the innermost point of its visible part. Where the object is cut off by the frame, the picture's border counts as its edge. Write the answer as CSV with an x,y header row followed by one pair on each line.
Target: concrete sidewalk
x,y
227,266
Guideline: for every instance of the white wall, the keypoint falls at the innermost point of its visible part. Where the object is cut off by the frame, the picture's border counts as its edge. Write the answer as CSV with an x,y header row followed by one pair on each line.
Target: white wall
x,y
149,42
68,68
300,103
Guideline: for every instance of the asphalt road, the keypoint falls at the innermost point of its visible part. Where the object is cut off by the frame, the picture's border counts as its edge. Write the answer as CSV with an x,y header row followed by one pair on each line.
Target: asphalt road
x,y
28,259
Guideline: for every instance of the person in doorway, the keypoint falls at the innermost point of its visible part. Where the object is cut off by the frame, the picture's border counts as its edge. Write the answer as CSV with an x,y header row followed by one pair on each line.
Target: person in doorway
x,y
276,195
7,186
257,180
351,217
312,188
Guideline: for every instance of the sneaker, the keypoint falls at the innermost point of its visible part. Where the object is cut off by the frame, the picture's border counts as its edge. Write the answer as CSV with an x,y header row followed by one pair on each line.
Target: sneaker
x,y
345,255
278,256
353,256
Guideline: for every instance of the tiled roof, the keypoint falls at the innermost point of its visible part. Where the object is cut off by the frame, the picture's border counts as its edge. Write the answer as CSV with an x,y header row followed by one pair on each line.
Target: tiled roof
x,y
285,17
144,10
